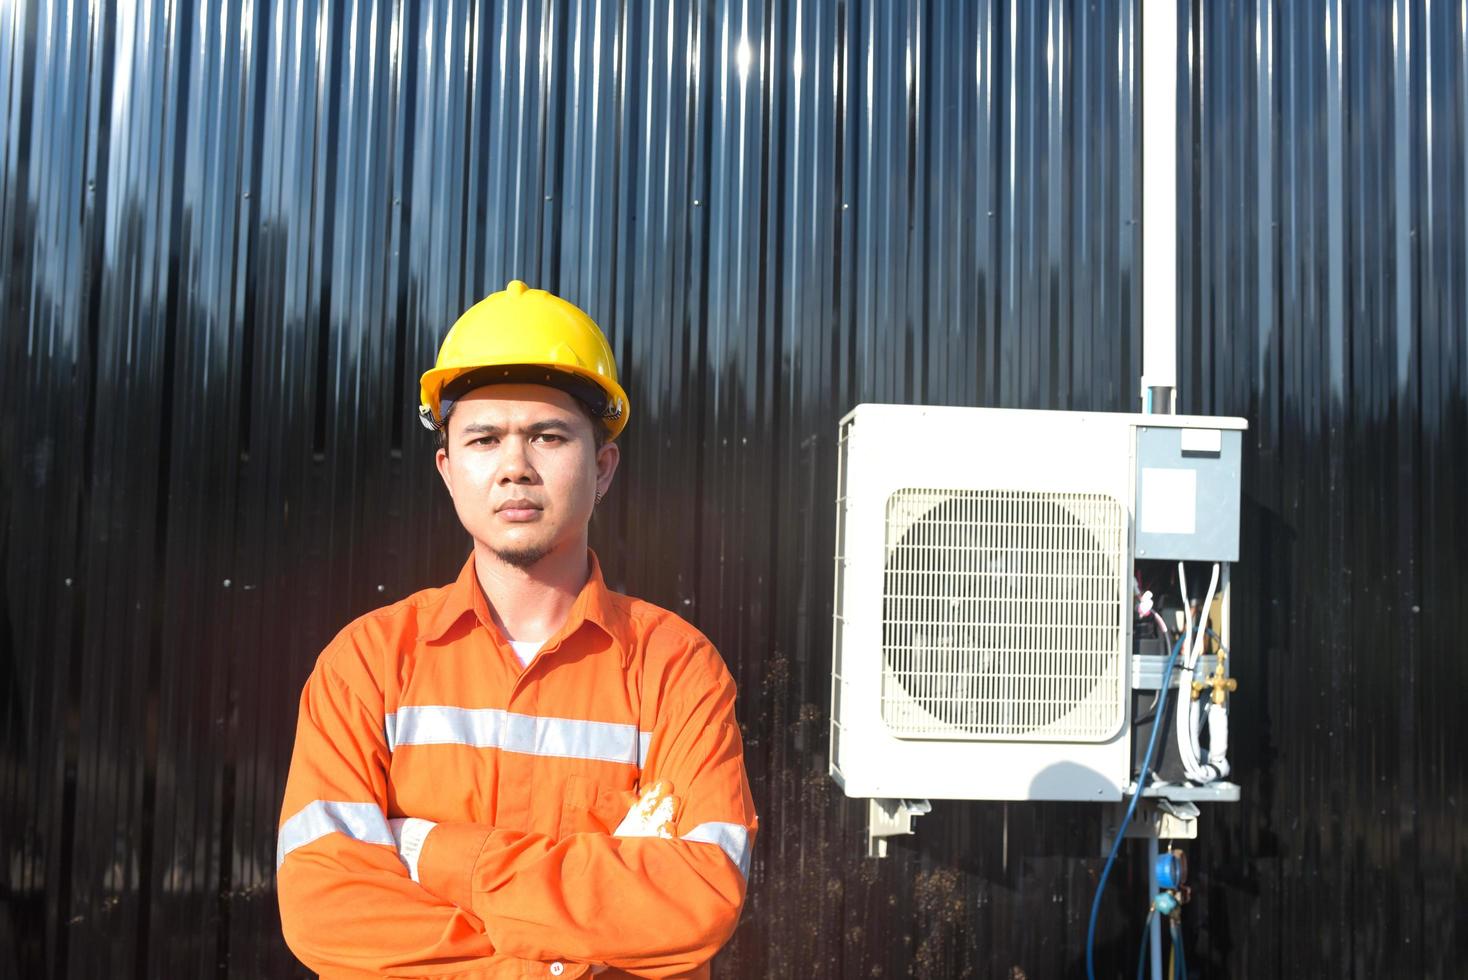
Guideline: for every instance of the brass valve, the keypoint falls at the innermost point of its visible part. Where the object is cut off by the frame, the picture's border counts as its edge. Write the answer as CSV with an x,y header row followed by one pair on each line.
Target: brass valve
x,y
1220,684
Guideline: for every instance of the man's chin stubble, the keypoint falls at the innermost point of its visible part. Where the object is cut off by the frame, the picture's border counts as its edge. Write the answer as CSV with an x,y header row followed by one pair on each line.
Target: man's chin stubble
x,y
525,556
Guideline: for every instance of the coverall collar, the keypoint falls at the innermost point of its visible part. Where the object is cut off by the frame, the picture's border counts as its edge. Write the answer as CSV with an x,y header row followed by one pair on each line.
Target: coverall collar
x,y
593,605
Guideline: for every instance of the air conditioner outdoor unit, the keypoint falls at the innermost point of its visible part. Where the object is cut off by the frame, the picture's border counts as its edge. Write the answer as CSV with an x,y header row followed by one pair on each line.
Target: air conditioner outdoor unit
x,y
983,599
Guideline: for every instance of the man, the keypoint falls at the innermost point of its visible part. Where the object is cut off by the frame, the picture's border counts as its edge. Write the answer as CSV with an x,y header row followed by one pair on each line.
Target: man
x,y
522,773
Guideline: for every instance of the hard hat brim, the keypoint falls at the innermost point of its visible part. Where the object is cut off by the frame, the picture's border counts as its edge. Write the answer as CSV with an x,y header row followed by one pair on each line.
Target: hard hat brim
x,y
605,400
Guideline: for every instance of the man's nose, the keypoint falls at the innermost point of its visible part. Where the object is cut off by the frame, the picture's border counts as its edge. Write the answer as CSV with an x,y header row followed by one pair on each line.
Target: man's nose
x,y
515,463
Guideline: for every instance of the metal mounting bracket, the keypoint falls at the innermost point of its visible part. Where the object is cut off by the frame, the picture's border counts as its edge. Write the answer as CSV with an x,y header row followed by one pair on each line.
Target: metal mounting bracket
x,y
1177,819
891,818
1162,819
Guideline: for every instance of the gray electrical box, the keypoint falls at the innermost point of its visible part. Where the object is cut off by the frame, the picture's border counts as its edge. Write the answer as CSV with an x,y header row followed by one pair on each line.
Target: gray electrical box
x,y
1187,484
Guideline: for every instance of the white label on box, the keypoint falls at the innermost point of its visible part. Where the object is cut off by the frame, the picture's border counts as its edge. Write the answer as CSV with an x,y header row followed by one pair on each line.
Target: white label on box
x,y
1202,441
1169,501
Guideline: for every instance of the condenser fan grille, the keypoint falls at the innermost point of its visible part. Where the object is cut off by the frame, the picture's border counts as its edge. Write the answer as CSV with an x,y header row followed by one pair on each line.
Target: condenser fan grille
x,y
1002,615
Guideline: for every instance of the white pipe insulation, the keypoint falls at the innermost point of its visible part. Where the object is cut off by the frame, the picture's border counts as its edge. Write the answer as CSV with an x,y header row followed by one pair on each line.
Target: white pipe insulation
x,y
1159,206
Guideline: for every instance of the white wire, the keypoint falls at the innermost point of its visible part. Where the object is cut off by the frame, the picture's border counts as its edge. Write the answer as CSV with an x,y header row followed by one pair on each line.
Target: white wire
x,y
1202,633
1184,684
1189,718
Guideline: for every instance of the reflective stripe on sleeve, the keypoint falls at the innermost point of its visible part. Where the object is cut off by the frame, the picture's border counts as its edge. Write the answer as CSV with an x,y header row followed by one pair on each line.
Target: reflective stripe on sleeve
x,y
359,821
492,728
732,839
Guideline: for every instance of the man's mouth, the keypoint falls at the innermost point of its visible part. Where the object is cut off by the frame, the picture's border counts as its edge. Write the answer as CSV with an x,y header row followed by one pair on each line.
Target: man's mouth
x,y
518,510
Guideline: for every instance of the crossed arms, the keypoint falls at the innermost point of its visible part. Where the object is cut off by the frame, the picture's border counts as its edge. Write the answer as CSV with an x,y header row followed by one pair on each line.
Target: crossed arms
x,y
488,896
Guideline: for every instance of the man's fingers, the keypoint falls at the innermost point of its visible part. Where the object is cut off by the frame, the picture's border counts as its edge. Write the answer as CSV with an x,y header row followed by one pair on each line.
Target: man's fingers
x,y
664,815
653,814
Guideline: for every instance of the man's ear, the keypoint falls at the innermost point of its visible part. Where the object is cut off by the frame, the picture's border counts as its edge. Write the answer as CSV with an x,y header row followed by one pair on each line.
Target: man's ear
x,y
607,458
441,460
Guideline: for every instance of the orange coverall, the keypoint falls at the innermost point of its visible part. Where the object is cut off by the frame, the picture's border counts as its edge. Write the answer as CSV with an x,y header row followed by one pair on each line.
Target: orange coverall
x,y
421,709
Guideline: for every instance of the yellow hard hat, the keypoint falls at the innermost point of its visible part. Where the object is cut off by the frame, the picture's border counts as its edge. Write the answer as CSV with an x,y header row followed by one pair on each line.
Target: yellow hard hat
x,y
525,335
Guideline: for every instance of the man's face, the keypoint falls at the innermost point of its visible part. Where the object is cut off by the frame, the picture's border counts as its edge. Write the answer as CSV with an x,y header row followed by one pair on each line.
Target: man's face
x,y
522,466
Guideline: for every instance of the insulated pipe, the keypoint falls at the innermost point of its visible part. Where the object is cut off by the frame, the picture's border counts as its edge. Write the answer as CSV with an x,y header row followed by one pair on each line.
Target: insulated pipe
x,y
1188,713
1201,773
1159,206
1218,739
1218,713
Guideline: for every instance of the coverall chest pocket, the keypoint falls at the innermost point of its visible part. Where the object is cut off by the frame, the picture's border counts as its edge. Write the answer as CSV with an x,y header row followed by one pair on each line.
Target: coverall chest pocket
x,y
590,808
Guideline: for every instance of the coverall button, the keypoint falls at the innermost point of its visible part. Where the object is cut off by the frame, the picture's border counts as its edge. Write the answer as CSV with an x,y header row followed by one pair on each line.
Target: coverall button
x,y
557,968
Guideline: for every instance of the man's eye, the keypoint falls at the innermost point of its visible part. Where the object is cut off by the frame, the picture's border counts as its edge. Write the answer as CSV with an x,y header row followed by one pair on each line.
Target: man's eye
x,y
484,441
550,437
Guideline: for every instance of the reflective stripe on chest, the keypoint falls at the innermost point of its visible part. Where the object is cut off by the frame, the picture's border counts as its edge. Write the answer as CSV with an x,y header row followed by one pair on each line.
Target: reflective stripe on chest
x,y
494,728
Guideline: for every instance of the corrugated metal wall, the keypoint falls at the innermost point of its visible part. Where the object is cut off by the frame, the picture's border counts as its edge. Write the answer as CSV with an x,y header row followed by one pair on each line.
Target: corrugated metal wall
x,y
231,235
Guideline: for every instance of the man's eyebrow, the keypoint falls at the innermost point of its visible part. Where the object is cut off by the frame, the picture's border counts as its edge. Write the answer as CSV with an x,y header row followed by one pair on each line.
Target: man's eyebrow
x,y
534,428
546,425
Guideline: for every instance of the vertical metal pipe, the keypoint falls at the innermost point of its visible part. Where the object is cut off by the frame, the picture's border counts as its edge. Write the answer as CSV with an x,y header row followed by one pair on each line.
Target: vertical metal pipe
x,y
1155,939
1159,206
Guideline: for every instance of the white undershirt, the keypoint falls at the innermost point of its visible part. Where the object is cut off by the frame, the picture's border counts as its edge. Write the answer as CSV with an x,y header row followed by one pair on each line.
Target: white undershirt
x,y
526,650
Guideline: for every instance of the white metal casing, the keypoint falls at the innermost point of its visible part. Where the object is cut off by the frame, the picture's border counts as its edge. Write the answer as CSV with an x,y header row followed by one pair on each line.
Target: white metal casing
x,y
1078,465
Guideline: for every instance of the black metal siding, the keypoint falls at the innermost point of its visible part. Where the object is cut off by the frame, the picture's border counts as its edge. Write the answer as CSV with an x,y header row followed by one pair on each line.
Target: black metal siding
x,y
234,232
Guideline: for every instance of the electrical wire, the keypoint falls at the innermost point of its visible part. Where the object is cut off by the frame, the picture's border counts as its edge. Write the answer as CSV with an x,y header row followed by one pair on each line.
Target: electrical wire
x,y
1130,810
1162,625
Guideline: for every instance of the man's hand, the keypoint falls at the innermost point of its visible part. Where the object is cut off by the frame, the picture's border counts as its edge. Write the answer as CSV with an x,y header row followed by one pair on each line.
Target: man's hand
x,y
652,814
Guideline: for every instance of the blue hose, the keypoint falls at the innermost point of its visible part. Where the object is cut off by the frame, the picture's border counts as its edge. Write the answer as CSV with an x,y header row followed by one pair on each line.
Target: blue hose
x,y
1142,949
1131,807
